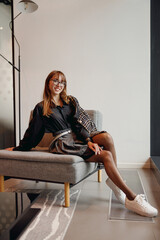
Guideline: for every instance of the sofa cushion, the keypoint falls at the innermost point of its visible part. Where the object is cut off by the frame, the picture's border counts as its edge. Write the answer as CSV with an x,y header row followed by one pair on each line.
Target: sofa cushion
x,y
44,166
39,156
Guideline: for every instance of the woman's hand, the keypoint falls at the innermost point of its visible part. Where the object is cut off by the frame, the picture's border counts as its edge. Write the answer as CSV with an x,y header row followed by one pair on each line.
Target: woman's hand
x,y
95,147
9,149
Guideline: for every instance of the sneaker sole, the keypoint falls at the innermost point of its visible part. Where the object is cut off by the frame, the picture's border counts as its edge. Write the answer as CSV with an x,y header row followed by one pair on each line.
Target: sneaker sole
x,y
140,212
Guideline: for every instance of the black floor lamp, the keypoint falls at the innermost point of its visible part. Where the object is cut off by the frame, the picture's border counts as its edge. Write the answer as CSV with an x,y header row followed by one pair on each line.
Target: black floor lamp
x,y
25,6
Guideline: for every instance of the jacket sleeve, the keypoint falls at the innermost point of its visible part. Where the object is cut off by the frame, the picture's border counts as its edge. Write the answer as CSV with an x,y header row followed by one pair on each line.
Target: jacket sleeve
x,y
77,126
34,132
80,130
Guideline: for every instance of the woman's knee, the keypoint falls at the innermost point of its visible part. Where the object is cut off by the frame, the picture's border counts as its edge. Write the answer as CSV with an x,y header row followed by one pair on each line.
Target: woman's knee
x,y
106,156
108,138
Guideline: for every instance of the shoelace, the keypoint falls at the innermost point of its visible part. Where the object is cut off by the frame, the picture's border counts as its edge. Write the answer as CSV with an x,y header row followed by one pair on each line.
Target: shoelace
x,y
143,203
143,196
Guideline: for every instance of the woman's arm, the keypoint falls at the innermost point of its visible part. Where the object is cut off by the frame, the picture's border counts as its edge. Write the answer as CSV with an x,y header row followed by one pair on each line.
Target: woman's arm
x,y
34,132
80,130
95,147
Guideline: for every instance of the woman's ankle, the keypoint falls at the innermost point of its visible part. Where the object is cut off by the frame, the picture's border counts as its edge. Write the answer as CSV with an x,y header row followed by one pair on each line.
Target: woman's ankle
x,y
131,196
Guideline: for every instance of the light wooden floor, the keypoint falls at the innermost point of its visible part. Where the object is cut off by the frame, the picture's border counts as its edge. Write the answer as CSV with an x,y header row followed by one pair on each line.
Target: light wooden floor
x,y
90,220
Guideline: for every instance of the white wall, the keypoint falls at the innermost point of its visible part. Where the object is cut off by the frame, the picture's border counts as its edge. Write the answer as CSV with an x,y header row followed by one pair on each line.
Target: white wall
x,y
103,47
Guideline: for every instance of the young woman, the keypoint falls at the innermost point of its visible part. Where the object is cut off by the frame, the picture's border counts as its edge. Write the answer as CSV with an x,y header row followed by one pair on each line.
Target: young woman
x,y
75,133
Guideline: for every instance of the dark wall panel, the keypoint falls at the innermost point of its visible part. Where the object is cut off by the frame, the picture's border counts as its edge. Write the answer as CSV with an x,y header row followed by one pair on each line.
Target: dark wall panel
x,y
155,77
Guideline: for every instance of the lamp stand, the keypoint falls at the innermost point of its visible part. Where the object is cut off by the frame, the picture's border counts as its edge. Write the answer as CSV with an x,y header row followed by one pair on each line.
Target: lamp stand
x,y
27,6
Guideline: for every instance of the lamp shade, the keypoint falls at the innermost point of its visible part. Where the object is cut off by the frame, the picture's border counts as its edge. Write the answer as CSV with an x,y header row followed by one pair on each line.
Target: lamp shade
x,y
27,6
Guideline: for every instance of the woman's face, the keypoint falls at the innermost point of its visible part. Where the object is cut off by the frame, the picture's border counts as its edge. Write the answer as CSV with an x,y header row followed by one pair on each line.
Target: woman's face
x,y
56,84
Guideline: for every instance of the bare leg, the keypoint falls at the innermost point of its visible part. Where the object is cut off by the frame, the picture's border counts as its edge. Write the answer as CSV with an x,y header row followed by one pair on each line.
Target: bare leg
x,y
105,140
110,167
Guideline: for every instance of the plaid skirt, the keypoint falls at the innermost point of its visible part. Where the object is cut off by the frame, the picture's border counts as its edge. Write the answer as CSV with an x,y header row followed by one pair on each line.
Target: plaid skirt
x,y
66,142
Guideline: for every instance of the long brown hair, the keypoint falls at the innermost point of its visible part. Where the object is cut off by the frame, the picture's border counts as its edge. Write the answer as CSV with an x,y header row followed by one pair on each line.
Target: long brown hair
x,y
47,96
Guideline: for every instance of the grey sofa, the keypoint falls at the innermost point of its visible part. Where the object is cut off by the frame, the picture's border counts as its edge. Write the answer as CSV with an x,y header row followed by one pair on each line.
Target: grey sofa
x,y
40,165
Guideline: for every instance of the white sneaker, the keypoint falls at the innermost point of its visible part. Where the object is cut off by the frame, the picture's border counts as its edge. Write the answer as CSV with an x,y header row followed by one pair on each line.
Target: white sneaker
x,y
140,206
118,192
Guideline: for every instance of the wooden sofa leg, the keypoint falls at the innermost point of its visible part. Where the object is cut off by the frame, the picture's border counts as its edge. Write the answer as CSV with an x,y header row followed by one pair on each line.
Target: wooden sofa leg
x,y
1,183
67,194
100,175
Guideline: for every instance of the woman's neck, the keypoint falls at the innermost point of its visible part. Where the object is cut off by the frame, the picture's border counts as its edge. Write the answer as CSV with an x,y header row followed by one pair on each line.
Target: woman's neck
x,y
56,99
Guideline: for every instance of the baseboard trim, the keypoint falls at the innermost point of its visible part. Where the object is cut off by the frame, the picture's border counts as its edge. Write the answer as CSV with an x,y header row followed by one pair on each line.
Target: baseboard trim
x,y
135,165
